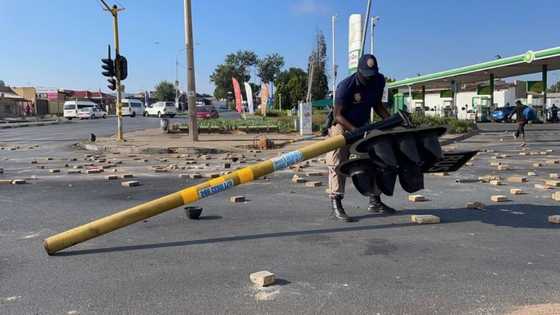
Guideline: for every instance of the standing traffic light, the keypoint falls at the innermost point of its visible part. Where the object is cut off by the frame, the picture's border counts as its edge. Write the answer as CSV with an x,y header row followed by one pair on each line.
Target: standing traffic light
x,y
109,66
121,65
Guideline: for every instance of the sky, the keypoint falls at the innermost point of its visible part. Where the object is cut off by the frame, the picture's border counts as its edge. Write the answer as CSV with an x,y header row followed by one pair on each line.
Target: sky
x,y
59,43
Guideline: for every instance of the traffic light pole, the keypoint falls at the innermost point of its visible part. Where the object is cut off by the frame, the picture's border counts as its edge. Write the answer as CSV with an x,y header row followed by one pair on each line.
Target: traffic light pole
x,y
115,13
191,88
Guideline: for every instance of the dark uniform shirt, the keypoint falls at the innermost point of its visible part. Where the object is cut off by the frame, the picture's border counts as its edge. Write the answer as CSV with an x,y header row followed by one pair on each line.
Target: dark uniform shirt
x,y
357,99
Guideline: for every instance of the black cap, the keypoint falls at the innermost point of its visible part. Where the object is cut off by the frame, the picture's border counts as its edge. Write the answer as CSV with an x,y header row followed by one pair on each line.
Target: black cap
x,y
367,66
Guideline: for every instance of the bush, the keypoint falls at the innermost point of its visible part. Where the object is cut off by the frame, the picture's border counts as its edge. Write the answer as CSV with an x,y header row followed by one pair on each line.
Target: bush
x,y
453,125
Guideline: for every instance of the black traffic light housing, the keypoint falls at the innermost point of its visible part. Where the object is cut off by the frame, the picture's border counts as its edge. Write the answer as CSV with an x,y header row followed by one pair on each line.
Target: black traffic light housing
x,y
114,68
121,66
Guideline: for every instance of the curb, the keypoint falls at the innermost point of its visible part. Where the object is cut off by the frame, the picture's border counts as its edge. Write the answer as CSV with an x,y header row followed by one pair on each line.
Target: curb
x,y
39,124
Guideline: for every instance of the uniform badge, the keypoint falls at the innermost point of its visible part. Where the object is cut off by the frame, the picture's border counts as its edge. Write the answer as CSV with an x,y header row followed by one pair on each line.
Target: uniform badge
x,y
357,97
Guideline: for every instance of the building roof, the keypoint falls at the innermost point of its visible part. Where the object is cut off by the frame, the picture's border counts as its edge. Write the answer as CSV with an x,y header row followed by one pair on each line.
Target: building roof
x,y
527,63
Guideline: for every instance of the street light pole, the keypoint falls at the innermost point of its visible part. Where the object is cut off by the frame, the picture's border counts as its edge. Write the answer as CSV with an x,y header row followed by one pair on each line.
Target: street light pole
x,y
374,21
191,88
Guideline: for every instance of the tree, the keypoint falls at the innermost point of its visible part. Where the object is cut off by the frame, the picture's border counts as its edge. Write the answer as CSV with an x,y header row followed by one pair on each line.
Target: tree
x,y
555,88
269,67
2,83
235,65
291,85
317,63
165,91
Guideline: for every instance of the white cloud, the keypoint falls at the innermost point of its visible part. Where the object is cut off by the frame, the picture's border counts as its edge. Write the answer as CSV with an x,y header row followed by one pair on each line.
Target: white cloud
x,y
310,7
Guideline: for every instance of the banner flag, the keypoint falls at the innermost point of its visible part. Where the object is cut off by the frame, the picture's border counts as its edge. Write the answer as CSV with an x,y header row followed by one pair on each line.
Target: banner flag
x,y
249,93
238,96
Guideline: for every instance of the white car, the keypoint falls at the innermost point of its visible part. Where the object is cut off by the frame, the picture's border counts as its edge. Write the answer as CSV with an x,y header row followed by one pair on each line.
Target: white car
x,y
132,107
91,113
161,109
71,108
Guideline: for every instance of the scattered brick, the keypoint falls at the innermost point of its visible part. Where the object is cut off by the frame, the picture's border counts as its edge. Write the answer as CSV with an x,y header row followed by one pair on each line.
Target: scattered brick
x,y
516,191
531,174
543,186
498,198
537,164
495,163
309,174
212,175
262,278
195,176
555,219
237,199
298,180
73,172
425,219
54,171
475,205
94,171
124,176
417,198
132,183
552,161
495,183
552,182
34,162
18,181
517,179
313,184
554,175
503,168
441,174
111,177
556,196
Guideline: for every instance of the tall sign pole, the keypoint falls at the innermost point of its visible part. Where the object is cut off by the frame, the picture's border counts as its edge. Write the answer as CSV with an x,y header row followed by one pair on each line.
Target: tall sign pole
x,y
114,10
191,88
333,61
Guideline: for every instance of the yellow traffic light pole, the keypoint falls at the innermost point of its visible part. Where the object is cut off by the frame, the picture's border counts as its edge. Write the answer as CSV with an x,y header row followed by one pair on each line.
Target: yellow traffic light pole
x,y
115,13
191,194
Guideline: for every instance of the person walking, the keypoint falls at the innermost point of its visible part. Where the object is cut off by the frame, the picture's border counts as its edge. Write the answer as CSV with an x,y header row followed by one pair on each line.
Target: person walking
x,y
522,121
355,96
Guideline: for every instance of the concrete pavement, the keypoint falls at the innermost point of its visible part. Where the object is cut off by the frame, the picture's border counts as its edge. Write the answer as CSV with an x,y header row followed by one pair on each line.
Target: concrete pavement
x,y
474,262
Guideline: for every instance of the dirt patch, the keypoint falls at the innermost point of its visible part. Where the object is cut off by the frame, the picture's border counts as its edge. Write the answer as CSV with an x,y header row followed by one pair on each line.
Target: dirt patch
x,y
538,309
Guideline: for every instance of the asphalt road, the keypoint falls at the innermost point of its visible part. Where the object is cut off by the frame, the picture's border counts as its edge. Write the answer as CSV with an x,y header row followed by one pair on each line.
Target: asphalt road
x,y
474,262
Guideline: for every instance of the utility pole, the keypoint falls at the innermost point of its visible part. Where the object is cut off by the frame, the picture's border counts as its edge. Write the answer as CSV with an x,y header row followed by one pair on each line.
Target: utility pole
x,y
114,10
191,88
374,21
364,30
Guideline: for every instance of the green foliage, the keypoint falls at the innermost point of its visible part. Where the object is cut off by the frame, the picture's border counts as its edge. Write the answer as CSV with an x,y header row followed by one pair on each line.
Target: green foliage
x,y
317,62
269,67
165,91
292,85
2,83
453,125
555,88
235,65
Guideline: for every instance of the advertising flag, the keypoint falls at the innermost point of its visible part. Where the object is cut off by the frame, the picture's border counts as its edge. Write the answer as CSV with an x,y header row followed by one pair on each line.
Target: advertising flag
x,y
264,98
249,93
354,41
238,96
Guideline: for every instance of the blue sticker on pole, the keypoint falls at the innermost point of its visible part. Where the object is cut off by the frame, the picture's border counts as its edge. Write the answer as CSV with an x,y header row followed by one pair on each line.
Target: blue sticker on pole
x,y
286,160
205,192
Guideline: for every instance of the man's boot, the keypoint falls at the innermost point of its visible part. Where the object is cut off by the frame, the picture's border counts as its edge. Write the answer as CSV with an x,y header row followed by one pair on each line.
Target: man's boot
x,y
376,205
338,211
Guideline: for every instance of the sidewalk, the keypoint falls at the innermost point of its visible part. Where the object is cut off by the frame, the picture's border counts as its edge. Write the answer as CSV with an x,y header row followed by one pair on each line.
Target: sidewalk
x,y
154,141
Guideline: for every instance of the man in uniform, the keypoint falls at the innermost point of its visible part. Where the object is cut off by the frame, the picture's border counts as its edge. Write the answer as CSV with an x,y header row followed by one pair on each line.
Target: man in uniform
x,y
355,96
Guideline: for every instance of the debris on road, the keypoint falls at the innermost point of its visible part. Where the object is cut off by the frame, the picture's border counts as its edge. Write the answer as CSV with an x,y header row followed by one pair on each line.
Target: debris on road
x,y
552,183
554,219
556,196
498,198
262,278
517,179
475,205
237,199
516,191
417,198
313,184
425,219
111,177
298,180
131,183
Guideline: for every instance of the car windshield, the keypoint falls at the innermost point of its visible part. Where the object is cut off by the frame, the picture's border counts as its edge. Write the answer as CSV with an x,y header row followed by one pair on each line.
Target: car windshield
x,y
81,106
136,105
72,106
170,104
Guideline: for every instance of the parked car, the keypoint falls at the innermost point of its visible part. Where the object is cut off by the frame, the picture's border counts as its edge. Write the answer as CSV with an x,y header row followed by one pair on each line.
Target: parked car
x,y
91,113
71,108
161,109
206,111
501,114
132,107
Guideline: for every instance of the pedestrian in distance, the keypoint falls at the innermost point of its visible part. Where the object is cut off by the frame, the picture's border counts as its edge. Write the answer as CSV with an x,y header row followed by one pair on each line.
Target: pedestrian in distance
x,y
355,97
523,114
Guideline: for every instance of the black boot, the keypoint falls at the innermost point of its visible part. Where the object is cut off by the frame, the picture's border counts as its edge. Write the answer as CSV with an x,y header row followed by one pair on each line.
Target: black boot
x,y
376,205
338,211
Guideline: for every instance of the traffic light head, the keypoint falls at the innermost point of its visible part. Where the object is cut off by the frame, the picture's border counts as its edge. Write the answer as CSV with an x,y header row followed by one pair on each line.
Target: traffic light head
x,y
109,66
121,67
112,84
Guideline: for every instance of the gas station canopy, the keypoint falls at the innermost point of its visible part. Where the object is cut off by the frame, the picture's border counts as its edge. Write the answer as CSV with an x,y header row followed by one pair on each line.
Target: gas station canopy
x,y
528,63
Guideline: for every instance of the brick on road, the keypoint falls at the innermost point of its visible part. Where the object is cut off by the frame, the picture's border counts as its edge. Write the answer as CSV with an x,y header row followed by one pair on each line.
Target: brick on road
x,y
18,181
556,196
475,205
531,174
262,278
111,177
313,184
552,182
498,198
543,186
417,198
52,171
237,199
517,179
124,176
516,191
554,219
554,176
131,183
425,219
298,180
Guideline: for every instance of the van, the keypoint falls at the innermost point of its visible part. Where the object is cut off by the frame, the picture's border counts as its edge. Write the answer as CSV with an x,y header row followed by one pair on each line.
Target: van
x,y
132,107
71,108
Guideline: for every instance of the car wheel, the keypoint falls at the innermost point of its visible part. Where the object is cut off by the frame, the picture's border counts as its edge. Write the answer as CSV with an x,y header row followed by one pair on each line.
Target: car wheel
x,y
159,114
133,114
104,116
69,118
